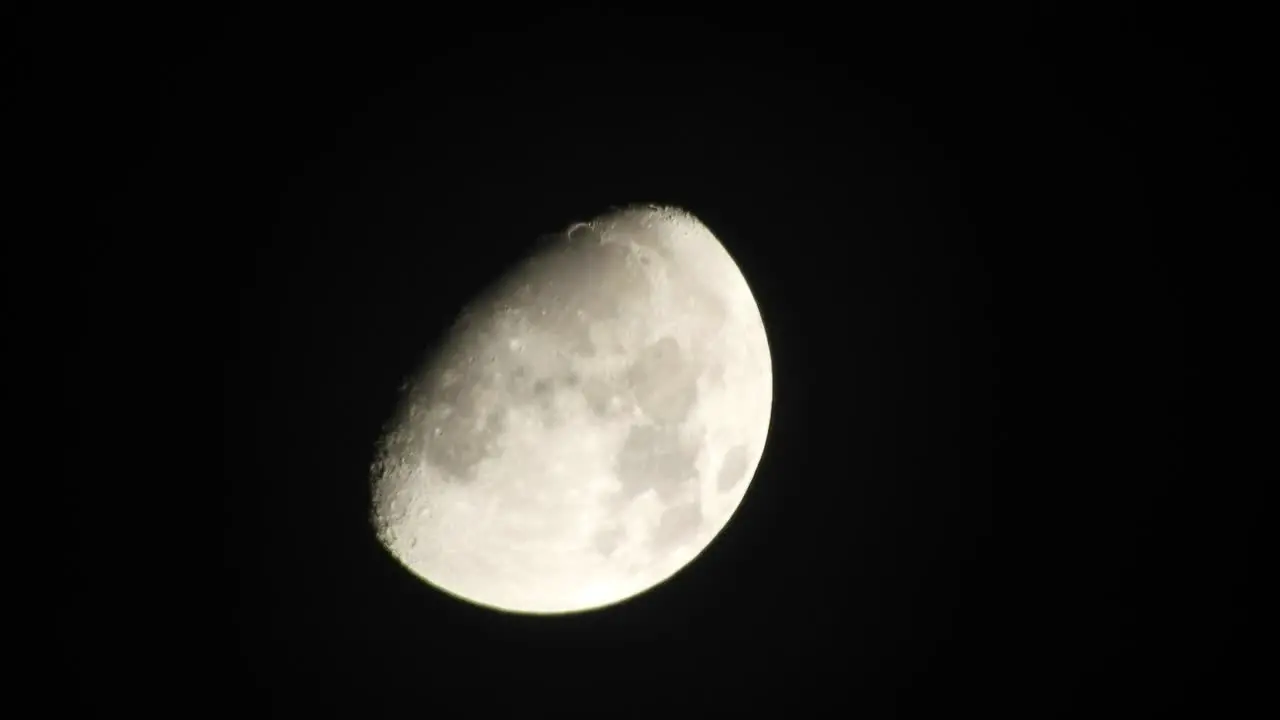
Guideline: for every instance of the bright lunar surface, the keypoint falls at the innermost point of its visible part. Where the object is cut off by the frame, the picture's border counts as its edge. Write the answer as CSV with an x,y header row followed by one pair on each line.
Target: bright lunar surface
x,y
589,424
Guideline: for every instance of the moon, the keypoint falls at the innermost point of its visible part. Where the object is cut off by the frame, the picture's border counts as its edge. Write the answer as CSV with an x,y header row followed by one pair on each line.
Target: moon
x,y
588,425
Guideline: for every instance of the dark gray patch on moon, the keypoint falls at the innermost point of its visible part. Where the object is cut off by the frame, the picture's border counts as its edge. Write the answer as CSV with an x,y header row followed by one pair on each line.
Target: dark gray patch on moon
x,y
655,456
540,391
467,434
665,387
732,467
544,396
608,539
598,394
677,524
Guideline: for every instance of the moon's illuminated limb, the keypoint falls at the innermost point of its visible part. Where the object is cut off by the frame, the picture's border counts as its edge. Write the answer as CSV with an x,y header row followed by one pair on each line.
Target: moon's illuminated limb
x,y
590,424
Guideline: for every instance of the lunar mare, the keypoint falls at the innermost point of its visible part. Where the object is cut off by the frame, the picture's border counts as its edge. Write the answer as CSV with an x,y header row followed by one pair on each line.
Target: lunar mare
x,y
589,424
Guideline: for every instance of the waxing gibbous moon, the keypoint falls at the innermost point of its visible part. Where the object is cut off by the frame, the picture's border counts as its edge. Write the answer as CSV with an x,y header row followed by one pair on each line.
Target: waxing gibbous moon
x,y
587,427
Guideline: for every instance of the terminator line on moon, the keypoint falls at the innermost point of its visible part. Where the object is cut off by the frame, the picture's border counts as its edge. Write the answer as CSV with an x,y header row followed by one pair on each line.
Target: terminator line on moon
x,y
587,427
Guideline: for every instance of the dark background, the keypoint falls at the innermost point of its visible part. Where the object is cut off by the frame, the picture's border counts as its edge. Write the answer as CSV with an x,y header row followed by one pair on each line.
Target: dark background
x,y
992,252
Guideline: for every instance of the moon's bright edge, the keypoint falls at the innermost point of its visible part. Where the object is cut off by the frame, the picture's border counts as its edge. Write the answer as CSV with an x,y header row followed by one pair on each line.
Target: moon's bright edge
x,y
589,425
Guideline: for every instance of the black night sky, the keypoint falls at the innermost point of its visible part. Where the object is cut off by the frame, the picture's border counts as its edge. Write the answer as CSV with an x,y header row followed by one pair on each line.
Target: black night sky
x,y
989,251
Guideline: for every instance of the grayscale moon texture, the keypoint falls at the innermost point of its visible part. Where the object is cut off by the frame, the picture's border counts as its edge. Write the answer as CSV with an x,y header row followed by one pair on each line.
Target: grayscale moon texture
x,y
587,427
